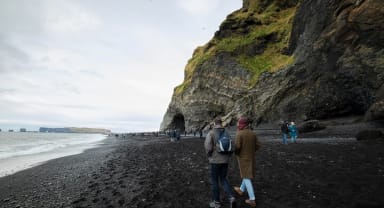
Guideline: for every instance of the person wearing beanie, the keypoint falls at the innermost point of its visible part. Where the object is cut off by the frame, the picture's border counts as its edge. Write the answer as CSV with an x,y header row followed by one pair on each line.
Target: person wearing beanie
x,y
293,131
218,165
246,145
243,123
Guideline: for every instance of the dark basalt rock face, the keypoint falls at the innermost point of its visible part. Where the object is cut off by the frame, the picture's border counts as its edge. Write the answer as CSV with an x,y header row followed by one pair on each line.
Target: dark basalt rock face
x,y
372,134
338,68
311,125
342,56
376,111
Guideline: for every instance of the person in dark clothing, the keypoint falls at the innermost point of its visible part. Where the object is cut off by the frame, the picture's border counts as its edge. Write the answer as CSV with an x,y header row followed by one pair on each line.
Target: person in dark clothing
x,y
218,165
178,132
285,131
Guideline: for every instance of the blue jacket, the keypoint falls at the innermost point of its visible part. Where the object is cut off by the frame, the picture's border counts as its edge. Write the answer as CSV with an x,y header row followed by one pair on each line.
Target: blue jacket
x,y
292,130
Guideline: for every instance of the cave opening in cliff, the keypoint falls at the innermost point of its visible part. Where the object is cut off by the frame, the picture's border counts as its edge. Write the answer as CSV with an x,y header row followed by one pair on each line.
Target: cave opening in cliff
x,y
178,122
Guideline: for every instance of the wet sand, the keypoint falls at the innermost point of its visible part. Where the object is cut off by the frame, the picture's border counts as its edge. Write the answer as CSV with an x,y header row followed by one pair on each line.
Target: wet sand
x,y
148,171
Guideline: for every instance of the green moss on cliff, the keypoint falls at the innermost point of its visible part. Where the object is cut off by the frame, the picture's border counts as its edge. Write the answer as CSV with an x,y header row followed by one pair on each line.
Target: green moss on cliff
x,y
199,56
268,61
276,28
179,89
270,29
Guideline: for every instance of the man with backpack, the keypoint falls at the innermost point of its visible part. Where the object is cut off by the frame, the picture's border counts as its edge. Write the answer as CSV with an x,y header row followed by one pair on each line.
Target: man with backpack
x,y
218,146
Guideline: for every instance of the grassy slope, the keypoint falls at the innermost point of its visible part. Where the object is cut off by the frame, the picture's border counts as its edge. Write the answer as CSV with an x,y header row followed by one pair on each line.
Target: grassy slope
x,y
274,22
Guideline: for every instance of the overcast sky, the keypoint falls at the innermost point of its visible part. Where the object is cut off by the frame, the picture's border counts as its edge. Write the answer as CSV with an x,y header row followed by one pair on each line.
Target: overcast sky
x,y
98,63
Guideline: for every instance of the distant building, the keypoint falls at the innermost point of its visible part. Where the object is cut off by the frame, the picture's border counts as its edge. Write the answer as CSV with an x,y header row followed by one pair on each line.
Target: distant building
x,y
10,130
0,130
23,130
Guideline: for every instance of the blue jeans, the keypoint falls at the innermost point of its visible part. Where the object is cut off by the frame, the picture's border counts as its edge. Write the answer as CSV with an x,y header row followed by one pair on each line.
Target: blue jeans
x,y
219,172
246,185
285,138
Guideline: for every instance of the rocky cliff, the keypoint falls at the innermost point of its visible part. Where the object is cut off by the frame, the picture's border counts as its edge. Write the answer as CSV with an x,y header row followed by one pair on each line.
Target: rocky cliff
x,y
286,59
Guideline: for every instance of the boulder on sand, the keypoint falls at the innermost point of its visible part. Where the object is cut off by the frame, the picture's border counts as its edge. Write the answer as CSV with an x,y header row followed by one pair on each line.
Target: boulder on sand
x,y
370,134
311,125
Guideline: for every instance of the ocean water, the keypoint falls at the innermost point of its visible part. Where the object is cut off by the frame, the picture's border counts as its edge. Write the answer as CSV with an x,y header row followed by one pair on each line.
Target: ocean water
x,y
21,150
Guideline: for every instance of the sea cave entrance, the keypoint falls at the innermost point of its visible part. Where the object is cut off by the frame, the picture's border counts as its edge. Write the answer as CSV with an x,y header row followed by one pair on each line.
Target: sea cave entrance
x,y
178,122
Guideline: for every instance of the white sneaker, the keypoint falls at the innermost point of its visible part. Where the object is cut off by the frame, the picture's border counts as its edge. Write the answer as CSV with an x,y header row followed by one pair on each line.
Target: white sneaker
x,y
215,204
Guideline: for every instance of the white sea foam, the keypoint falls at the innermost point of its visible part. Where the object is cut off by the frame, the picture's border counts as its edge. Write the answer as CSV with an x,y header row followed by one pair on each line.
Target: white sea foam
x,y
19,150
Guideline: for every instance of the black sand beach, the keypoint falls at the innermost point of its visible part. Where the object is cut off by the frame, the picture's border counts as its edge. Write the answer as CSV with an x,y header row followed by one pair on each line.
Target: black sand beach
x,y
148,171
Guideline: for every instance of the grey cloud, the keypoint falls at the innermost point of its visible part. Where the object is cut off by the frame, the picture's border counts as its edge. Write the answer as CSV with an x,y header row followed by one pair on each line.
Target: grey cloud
x,y
85,107
21,16
7,91
11,57
92,73
19,19
68,106
19,104
67,87
9,52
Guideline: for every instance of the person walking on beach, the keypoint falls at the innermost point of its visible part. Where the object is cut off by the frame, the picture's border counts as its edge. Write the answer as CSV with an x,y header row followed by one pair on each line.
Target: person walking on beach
x,y
293,131
218,164
285,131
177,136
246,145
